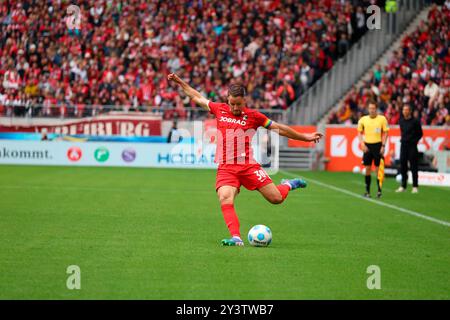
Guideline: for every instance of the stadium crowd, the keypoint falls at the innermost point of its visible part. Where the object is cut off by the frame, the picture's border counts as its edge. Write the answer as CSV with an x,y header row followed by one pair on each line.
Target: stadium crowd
x,y
417,74
124,50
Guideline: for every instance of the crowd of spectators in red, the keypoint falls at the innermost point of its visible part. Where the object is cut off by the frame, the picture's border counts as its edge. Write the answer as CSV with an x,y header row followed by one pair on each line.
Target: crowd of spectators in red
x,y
417,74
125,49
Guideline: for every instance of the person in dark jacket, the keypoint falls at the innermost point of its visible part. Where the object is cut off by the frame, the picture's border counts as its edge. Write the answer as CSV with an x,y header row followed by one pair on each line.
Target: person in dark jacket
x,y
411,131
174,135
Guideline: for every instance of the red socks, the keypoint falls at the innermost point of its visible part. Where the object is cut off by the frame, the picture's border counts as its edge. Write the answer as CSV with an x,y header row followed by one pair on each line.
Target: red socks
x,y
284,190
231,219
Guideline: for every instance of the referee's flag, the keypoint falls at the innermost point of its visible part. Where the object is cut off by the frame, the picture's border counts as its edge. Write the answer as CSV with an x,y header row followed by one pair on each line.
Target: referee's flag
x,y
381,172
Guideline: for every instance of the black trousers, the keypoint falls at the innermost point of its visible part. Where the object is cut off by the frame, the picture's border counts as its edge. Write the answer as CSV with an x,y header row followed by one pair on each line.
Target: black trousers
x,y
409,153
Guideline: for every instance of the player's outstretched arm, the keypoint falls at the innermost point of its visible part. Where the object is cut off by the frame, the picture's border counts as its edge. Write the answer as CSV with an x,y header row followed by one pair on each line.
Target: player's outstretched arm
x,y
286,131
189,91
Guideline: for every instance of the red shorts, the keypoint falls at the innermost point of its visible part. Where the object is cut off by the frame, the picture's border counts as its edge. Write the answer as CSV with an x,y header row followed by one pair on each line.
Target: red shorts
x,y
251,176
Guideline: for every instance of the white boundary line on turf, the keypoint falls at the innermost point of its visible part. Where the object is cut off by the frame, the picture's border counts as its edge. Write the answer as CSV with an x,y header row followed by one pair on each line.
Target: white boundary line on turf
x,y
410,212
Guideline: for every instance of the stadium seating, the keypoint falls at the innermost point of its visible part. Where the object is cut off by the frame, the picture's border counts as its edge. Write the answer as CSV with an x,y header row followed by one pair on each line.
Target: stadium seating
x,y
418,74
123,53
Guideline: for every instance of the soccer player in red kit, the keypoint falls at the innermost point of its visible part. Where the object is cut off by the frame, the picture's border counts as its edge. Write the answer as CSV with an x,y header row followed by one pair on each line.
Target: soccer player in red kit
x,y
236,125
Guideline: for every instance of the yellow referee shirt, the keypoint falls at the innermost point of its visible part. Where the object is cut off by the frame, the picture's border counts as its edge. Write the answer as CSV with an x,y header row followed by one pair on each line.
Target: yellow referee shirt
x,y
372,128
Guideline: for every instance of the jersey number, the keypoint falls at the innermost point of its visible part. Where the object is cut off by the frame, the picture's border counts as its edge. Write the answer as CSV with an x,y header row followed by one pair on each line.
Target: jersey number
x,y
260,174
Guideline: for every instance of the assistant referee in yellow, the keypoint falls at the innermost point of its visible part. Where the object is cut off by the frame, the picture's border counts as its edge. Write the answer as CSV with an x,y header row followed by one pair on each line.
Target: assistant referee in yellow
x,y
372,133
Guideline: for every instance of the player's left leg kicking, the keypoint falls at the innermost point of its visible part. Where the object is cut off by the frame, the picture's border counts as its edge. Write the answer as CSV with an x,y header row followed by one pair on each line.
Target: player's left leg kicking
x,y
256,178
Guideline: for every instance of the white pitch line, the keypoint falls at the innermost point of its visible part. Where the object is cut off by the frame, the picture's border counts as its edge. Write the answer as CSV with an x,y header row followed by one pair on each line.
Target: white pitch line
x,y
410,212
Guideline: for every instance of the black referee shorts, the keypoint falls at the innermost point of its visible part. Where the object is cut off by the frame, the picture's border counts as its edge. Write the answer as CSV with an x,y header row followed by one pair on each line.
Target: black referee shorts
x,y
373,154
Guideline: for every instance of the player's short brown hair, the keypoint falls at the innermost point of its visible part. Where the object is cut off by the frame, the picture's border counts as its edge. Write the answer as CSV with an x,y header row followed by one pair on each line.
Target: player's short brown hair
x,y
237,90
372,101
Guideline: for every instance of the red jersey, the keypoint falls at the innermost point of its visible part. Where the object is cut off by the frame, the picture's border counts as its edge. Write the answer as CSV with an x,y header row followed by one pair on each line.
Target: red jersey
x,y
235,133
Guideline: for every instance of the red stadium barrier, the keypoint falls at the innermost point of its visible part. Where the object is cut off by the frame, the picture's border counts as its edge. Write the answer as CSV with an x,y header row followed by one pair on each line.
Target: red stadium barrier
x,y
123,125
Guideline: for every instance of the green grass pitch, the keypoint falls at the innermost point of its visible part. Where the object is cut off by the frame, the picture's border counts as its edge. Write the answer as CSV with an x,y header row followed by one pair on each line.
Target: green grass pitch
x,y
155,234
